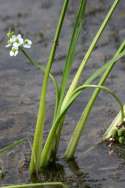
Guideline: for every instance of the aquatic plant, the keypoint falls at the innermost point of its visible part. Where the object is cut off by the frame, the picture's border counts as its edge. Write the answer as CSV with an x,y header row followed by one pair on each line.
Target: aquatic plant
x,y
45,151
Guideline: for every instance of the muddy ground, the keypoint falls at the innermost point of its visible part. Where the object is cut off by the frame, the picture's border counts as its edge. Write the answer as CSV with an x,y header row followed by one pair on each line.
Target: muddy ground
x,y
20,86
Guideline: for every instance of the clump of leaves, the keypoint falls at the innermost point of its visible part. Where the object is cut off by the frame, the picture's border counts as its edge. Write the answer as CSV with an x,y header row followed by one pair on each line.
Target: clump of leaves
x,y
42,154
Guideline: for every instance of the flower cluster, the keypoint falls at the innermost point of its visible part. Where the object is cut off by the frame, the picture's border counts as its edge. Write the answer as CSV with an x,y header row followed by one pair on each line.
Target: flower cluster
x,y
15,42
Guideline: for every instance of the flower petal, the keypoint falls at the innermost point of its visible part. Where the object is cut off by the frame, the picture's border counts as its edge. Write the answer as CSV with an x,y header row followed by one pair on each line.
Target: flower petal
x,y
16,44
14,51
11,53
27,43
20,39
8,45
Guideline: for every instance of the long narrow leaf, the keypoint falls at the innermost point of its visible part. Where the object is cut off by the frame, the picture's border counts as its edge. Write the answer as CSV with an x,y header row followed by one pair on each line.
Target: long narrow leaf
x,y
82,87
38,136
67,68
44,161
89,52
85,114
72,47
38,185
51,76
94,76
11,146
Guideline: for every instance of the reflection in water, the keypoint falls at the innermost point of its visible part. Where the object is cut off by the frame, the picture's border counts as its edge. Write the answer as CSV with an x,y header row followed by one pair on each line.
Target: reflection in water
x,y
74,167
56,172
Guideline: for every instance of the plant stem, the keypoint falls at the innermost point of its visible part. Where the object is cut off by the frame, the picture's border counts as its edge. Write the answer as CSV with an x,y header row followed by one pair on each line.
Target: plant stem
x,y
44,159
80,88
98,72
38,135
72,47
75,137
35,185
10,146
71,148
89,52
67,68
40,67
86,58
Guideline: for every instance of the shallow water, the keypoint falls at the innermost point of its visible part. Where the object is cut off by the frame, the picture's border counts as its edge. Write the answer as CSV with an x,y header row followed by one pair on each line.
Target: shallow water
x,y
20,86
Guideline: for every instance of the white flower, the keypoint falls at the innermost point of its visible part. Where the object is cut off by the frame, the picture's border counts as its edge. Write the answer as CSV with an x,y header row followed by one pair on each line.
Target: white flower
x,y
18,41
14,51
15,42
27,43
11,41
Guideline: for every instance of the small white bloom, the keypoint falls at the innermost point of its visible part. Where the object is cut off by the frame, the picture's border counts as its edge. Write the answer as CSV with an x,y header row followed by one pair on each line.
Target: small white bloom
x,y
15,42
14,51
11,41
27,43
13,38
18,41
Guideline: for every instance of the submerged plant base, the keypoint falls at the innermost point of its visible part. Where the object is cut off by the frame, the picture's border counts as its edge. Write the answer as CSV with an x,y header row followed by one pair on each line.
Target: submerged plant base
x,y
53,172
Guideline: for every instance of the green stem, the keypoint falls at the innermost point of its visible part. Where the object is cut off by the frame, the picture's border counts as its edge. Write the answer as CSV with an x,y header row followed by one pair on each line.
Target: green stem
x,y
48,144
98,72
36,185
80,88
69,153
87,56
40,67
89,52
67,68
56,125
38,135
72,47
91,78
10,146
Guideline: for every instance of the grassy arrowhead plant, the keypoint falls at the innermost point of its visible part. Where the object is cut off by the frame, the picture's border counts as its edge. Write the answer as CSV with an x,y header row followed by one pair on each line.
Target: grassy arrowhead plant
x,y
44,151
